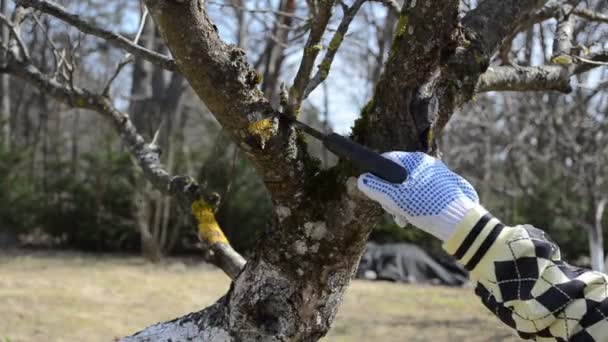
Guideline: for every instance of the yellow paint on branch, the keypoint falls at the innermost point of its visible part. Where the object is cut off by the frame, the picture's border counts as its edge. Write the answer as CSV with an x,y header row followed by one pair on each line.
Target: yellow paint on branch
x,y
208,228
263,128
562,60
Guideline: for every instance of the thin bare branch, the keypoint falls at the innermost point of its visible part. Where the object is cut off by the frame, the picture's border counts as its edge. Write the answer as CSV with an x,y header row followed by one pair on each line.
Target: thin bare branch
x,y
319,21
258,10
334,45
546,12
590,15
88,27
119,66
16,36
591,62
128,58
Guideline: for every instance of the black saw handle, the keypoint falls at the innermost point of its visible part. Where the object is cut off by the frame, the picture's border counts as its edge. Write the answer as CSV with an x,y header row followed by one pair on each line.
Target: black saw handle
x,y
365,158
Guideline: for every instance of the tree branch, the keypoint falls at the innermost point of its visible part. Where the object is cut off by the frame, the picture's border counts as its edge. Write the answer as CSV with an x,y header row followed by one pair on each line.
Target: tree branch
x,y
590,15
184,189
506,78
397,116
87,26
222,78
332,49
304,260
313,46
553,9
22,52
600,57
484,29
529,19
548,77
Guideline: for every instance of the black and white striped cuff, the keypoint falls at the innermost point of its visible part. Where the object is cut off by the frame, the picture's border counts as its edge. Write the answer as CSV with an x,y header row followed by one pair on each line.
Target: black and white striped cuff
x,y
473,237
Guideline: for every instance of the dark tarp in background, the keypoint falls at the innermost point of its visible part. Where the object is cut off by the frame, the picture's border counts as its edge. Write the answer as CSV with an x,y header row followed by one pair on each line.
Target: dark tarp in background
x,y
403,262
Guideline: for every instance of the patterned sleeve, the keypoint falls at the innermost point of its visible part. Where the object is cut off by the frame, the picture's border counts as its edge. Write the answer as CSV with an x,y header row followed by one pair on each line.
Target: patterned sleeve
x,y
521,278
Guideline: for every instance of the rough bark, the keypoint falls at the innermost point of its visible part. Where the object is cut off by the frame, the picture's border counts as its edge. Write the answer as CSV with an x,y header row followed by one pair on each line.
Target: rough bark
x,y
398,115
483,30
516,78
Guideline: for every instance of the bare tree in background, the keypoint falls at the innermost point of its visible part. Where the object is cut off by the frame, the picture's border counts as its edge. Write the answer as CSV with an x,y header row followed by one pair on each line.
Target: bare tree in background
x,y
561,147
5,105
440,57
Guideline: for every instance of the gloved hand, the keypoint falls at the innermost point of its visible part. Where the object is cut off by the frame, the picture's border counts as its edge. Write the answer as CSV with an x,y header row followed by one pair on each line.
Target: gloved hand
x,y
433,198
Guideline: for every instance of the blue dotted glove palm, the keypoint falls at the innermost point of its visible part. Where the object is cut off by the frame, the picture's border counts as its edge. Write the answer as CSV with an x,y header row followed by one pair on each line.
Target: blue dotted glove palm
x,y
433,198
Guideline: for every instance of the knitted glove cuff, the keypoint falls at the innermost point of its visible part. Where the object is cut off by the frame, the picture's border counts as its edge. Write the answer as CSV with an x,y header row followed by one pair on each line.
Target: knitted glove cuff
x,y
444,225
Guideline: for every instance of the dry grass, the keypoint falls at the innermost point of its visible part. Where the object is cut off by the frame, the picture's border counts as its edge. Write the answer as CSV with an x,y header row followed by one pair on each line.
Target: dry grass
x,y
75,297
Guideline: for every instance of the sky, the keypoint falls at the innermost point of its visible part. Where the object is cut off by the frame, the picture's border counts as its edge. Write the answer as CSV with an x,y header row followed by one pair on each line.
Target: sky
x,y
348,90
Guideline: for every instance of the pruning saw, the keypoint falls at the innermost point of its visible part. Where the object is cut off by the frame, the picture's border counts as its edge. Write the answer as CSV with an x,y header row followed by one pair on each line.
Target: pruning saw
x,y
361,156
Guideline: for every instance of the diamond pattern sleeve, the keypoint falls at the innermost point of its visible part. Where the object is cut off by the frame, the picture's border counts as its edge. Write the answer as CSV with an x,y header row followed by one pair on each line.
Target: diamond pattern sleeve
x,y
521,278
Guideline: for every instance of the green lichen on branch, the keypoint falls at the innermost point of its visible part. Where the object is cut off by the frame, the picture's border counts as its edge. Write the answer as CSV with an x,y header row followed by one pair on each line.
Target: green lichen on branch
x,y
321,185
562,60
313,49
324,68
400,31
253,79
359,130
401,25
335,42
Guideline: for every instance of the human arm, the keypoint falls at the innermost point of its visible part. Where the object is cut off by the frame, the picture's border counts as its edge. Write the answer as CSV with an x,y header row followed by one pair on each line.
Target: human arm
x,y
518,270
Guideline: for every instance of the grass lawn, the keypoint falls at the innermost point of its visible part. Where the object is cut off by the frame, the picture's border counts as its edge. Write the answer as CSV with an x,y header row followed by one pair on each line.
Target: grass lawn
x,y
76,297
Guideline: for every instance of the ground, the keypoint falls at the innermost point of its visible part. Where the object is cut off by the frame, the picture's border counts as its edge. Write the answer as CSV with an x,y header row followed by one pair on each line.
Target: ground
x,y
77,297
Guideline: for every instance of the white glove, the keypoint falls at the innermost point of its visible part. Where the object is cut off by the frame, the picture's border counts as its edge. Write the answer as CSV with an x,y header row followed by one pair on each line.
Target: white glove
x,y
433,198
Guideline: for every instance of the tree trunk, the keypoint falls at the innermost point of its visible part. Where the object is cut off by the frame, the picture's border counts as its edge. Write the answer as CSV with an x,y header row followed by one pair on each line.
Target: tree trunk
x,y
149,247
597,257
596,245
154,102
5,105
